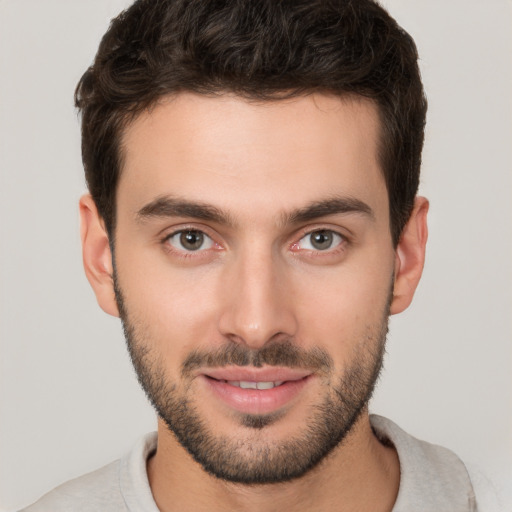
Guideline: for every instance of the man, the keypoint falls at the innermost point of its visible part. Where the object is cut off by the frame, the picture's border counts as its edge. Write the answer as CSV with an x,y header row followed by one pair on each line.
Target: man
x,y
253,220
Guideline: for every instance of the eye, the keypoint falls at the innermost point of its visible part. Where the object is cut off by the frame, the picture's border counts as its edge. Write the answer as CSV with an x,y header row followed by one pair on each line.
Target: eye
x,y
321,240
190,240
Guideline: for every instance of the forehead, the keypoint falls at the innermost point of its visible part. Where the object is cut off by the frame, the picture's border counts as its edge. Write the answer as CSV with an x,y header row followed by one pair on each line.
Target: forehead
x,y
236,153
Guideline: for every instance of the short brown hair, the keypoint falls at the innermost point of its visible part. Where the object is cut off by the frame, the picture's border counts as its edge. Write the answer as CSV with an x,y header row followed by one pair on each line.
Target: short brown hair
x,y
258,49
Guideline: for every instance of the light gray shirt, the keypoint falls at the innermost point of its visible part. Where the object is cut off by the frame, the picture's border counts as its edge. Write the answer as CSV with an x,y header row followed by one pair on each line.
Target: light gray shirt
x,y
432,479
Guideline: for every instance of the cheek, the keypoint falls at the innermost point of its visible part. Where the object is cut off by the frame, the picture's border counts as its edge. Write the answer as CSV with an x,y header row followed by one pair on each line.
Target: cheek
x,y
178,309
340,309
171,309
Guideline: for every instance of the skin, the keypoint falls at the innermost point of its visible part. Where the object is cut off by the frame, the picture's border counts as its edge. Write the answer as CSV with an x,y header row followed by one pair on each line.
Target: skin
x,y
260,280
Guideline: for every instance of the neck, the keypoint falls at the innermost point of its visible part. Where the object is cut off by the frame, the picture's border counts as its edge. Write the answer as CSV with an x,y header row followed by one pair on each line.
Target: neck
x,y
360,474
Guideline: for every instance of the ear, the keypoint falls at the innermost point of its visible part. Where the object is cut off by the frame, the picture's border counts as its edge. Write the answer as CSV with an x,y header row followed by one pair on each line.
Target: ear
x,y
410,256
96,255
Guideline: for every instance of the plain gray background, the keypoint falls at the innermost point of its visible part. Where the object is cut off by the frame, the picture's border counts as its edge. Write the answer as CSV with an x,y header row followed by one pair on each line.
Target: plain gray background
x,y
69,399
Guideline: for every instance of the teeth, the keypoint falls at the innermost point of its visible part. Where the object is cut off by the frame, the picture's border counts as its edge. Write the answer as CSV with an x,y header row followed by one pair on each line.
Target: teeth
x,y
248,385
244,384
267,385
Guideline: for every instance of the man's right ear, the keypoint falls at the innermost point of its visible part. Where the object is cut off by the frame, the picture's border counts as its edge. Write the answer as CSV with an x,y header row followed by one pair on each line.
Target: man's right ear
x,y
96,254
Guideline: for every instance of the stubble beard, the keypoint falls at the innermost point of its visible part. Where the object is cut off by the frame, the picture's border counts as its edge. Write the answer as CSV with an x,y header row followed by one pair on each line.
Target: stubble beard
x,y
255,459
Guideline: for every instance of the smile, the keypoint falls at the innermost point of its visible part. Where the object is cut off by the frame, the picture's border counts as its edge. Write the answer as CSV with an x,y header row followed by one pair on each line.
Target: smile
x,y
255,390
244,384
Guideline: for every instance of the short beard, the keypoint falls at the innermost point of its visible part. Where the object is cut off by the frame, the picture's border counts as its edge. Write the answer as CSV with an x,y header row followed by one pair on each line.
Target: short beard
x,y
254,459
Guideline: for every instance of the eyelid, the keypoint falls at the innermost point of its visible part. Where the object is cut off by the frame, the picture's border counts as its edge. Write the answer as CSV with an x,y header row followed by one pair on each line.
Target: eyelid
x,y
345,233
170,231
206,240
166,234
336,240
309,230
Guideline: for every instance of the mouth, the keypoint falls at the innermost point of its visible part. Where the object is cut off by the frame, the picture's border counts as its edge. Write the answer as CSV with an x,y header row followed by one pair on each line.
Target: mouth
x,y
256,391
246,384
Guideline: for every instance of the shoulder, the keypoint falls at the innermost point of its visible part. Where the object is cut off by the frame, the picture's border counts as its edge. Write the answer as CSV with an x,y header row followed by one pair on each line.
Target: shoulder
x,y
431,476
98,490
120,486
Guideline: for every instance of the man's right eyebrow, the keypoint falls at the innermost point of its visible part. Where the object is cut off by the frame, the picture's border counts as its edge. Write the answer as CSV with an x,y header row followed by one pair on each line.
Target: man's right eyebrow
x,y
167,206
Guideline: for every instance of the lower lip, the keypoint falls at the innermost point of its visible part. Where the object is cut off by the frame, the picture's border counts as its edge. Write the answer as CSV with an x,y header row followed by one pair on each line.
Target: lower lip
x,y
256,401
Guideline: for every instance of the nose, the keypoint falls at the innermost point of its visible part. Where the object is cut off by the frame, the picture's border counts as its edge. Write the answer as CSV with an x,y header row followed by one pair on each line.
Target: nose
x,y
257,304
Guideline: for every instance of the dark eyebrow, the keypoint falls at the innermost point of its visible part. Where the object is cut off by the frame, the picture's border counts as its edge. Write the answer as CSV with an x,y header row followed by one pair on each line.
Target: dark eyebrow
x,y
167,206
332,206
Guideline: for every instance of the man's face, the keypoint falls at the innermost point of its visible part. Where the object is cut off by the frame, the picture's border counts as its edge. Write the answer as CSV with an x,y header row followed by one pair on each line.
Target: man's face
x,y
254,269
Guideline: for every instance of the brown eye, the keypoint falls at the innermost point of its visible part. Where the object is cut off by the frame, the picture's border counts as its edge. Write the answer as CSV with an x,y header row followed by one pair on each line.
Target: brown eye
x,y
190,240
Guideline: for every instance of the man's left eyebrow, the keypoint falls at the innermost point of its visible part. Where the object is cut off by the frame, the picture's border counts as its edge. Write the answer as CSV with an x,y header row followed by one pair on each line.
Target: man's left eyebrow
x,y
331,206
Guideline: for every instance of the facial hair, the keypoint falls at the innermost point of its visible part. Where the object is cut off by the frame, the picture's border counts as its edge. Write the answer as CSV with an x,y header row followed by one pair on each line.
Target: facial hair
x,y
255,459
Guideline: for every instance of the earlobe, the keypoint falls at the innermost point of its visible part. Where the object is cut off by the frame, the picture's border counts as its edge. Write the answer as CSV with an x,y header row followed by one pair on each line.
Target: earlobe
x,y
410,256
96,254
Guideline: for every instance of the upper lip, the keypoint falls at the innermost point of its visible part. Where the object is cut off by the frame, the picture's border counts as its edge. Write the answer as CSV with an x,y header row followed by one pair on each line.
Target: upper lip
x,y
252,374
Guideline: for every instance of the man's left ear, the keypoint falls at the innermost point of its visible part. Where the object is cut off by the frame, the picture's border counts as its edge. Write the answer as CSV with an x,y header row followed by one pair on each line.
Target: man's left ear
x,y
410,256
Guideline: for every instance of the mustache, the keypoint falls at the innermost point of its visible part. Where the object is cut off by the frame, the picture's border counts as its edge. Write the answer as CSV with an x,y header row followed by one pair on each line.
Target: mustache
x,y
275,354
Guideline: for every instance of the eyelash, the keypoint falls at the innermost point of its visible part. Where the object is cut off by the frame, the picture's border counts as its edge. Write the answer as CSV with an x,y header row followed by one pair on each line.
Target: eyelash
x,y
316,253
183,253
331,251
